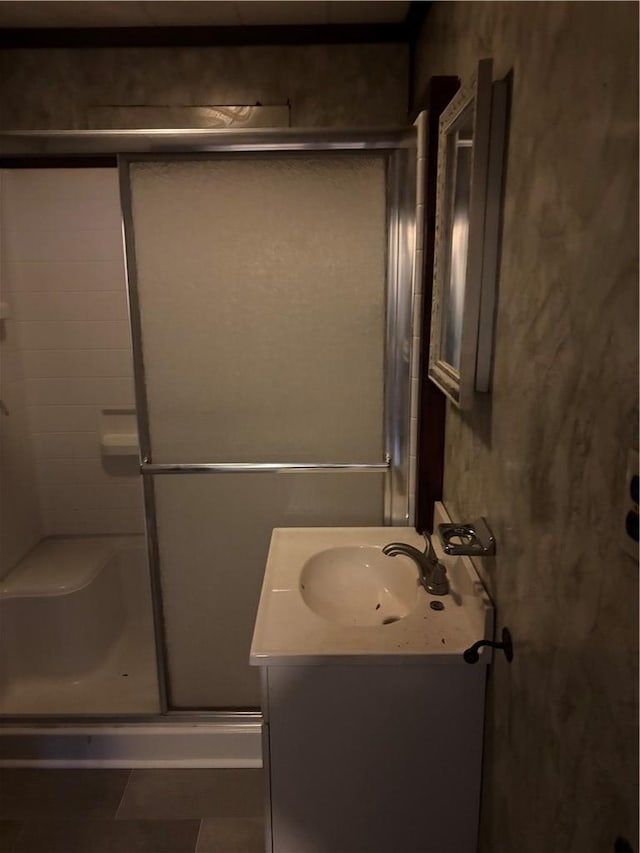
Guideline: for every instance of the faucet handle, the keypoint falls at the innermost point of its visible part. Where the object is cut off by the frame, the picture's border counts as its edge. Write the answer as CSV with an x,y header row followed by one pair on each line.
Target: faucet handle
x,y
438,583
430,551
428,543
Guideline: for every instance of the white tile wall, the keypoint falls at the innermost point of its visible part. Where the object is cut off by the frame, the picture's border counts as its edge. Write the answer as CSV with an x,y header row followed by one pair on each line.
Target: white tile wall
x,y
116,391
39,246
74,334
63,271
94,305
65,445
73,276
43,364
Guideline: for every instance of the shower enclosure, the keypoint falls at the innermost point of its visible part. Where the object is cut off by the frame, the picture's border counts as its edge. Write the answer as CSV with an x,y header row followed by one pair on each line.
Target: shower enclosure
x,y
270,289
76,626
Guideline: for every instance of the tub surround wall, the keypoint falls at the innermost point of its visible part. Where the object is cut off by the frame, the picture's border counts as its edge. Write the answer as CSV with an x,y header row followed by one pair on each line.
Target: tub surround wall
x,y
64,279
327,85
20,526
544,456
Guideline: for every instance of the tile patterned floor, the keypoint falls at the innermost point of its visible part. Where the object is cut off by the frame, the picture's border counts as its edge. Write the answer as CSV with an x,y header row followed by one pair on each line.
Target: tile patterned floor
x,y
131,811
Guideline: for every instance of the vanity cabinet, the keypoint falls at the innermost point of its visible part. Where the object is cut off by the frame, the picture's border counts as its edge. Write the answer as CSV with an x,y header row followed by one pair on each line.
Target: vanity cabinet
x,y
373,759
373,721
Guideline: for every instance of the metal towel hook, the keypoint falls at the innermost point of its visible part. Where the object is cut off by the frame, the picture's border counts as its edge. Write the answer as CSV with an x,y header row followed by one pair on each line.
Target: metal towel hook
x,y
472,654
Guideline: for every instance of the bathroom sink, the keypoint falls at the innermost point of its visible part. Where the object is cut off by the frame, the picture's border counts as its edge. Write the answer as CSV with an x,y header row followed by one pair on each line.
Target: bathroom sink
x,y
330,596
359,585
345,638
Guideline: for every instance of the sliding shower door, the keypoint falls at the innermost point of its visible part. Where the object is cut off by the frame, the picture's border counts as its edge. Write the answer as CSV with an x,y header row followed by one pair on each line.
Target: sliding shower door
x,y
258,289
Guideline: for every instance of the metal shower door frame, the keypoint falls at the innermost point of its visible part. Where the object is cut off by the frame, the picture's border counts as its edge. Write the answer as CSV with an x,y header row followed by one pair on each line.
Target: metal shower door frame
x,y
398,147
399,276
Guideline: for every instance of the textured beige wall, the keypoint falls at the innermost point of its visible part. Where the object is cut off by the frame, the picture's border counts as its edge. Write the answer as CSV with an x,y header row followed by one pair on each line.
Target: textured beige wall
x,y
327,85
544,456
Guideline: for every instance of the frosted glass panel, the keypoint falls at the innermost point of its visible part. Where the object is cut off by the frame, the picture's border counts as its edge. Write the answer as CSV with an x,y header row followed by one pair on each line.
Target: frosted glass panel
x,y
261,285
214,534
262,291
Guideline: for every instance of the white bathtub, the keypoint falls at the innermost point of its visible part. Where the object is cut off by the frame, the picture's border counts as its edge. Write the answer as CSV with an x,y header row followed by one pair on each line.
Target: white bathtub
x,y
76,632
61,609
76,638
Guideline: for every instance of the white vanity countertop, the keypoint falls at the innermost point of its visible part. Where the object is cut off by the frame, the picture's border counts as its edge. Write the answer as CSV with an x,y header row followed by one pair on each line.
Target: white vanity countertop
x,y
287,631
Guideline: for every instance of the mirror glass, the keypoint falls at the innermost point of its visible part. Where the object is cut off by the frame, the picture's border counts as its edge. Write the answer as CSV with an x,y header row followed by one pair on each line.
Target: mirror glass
x,y
458,183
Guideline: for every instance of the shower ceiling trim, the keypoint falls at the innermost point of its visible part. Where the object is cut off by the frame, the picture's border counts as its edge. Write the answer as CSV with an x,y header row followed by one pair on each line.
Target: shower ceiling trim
x,y
83,143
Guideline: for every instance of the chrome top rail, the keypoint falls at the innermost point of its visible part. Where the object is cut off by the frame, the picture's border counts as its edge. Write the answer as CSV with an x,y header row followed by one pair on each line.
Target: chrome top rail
x,y
35,143
264,467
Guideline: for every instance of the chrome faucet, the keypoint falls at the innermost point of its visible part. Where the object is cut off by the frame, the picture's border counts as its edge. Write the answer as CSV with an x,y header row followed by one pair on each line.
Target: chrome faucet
x,y
432,573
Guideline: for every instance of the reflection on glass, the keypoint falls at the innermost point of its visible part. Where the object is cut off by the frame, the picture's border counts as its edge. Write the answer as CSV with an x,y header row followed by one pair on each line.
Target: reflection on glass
x,y
459,156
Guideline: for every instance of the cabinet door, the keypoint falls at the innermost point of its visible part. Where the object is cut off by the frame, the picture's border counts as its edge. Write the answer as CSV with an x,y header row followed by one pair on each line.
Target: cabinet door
x,y
372,759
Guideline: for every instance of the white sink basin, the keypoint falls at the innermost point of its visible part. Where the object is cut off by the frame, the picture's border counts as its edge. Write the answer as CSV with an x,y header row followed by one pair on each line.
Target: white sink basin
x,y
359,585
331,596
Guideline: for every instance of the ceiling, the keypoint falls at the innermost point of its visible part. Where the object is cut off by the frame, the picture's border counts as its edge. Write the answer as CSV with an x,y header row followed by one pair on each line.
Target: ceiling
x,y
199,13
